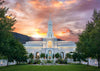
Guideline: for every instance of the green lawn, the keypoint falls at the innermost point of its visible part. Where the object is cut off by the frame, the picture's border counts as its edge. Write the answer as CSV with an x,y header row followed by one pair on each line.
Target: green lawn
x,y
49,68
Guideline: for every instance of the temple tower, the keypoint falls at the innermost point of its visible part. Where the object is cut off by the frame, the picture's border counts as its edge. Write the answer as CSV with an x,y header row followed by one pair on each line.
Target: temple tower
x,y
50,33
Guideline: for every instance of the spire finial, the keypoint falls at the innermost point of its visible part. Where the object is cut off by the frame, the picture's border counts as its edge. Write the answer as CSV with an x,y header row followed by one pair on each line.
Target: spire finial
x,y
50,17
50,28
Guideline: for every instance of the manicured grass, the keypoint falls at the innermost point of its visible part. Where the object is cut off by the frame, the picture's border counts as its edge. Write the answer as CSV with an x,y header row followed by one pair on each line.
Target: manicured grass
x,y
49,68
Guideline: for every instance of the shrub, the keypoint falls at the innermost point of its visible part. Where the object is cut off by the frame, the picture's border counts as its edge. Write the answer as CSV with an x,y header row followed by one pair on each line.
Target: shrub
x,y
49,61
61,61
31,62
65,61
37,61
44,61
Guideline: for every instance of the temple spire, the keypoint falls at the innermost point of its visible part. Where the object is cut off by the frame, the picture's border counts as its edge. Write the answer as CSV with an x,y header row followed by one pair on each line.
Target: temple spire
x,y
50,28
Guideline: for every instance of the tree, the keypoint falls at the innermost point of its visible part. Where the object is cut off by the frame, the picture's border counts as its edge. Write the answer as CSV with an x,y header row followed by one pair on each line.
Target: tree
x,y
78,57
6,24
11,48
42,55
57,55
89,42
53,56
2,57
31,56
74,56
68,55
20,54
46,56
16,52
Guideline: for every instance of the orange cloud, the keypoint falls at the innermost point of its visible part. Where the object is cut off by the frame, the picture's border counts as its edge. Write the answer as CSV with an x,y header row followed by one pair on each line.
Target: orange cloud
x,y
32,16
63,32
37,30
18,6
38,34
70,1
57,4
52,4
68,30
36,3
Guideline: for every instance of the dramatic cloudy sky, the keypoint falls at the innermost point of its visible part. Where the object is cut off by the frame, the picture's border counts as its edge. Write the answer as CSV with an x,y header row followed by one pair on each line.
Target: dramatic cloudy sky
x,y
69,16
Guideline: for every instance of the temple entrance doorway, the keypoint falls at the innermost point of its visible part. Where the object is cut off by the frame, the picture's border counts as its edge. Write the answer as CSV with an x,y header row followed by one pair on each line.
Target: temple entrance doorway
x,y
62,54
49,54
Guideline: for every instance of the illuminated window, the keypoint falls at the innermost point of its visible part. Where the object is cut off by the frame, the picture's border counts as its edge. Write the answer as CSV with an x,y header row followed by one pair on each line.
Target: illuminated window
x,y
37,55
50,44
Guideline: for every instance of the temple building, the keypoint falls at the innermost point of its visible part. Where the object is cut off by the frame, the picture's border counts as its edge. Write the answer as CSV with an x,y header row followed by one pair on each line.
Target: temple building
x,y
50,45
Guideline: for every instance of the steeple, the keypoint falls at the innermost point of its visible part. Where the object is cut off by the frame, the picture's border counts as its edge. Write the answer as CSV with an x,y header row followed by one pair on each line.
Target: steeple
x,y
50,28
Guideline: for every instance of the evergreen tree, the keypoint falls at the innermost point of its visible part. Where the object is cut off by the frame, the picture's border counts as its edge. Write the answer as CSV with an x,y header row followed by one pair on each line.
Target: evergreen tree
x,y
31,56
57,55
89,40
42,55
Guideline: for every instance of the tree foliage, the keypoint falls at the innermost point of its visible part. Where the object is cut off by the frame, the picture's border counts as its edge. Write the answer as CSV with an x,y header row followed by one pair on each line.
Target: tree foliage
x,y
68,55
89,40
9,46
42,55
57,55
78,57
31,56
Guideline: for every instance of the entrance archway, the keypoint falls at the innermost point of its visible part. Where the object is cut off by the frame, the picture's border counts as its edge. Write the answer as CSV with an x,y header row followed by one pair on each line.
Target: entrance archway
x,y
37,55
50,54
62,54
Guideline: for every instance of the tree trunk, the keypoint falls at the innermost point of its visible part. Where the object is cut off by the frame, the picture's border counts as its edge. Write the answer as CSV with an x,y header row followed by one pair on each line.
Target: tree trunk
x,y
80,62
98,61
17,63
7,63
88,62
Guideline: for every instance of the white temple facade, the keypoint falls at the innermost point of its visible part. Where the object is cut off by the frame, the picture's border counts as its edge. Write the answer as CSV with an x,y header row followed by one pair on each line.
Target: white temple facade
x,y
50,45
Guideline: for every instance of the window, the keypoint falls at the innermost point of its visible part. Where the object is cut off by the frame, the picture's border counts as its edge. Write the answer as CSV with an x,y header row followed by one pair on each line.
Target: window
x,y
49,44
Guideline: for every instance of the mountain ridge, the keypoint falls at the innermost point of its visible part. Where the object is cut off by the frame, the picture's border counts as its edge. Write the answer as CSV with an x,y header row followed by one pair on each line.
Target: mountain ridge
x,y
24,38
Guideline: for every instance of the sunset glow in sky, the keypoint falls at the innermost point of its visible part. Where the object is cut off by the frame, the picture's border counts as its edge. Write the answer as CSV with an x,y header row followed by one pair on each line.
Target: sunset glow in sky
x,y
69,16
